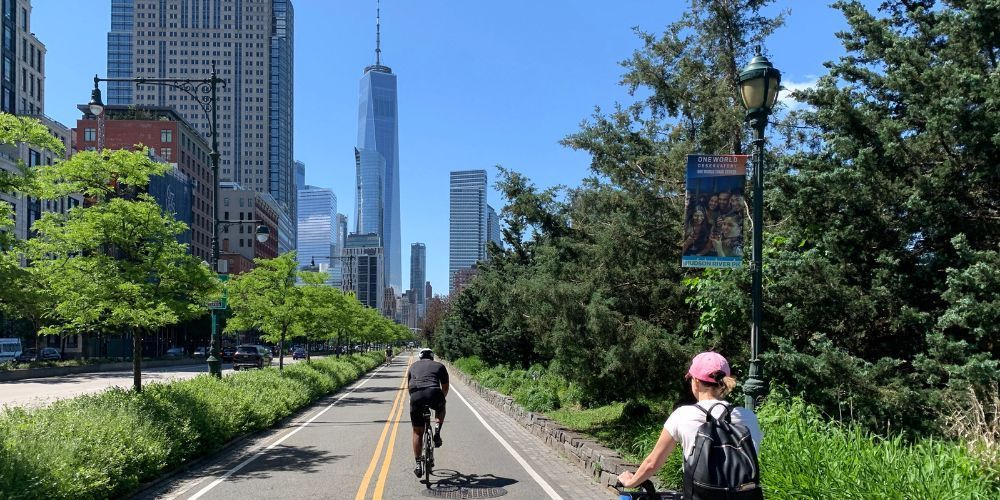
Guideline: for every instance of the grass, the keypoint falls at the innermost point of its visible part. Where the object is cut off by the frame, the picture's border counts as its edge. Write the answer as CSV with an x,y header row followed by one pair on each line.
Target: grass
x,y
105,445
803,455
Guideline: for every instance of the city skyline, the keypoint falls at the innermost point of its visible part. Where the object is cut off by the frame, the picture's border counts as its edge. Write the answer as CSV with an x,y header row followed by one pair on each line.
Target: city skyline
x,y
473,104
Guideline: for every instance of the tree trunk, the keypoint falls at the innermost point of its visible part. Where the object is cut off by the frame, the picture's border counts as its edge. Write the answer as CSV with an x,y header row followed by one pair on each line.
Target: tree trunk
x,y
281,351
137,361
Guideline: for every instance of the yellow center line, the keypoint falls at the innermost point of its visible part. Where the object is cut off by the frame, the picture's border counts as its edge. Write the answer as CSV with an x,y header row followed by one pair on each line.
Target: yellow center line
x,y
378,449
380,484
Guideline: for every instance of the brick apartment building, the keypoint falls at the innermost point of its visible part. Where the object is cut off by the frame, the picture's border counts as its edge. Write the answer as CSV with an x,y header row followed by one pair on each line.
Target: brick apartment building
x,y
170,139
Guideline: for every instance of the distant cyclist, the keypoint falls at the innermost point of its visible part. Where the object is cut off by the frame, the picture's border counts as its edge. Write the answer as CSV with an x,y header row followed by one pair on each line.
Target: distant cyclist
x,y
428,383
388,356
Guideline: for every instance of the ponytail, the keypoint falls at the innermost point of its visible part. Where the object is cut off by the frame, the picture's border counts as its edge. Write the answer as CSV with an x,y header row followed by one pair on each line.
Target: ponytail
x,y
726,386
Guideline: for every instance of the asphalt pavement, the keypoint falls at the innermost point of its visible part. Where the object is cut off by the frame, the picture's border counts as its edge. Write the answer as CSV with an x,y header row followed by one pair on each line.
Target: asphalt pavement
x,y
356,444
34,392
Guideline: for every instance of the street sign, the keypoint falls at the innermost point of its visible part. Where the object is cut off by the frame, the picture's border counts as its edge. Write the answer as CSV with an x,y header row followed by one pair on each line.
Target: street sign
x,y
224,302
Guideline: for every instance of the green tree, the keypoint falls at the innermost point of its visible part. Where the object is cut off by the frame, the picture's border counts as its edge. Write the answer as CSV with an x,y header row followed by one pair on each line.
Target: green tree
x,y
115,264
891,215
267,299
592,281
18,294
325,310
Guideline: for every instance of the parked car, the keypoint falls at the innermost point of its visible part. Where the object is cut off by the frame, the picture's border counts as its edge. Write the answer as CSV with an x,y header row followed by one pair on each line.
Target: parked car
x,y
45,354
227,353
200,352
247,356
299,353
174,353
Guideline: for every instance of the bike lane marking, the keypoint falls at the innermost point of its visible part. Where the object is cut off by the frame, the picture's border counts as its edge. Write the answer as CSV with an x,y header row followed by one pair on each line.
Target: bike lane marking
x,y
380,484
366,480
246,462
510,449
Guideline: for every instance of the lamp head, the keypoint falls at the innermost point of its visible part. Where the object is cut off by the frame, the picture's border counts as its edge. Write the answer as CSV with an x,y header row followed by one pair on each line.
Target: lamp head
x,y
759,84
96,105
263,233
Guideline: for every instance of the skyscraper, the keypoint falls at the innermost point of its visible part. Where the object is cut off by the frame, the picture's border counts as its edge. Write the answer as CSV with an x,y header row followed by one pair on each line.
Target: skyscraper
x,y
376,159
317,231
300,183
418,276
364,251
493,232
468,221
249,42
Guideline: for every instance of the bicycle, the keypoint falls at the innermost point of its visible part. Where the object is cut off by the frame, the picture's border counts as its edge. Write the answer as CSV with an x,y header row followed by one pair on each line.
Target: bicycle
x,y
427,459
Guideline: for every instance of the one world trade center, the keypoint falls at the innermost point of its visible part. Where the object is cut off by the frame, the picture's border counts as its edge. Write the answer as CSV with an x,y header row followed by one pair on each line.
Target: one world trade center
x,y
377,161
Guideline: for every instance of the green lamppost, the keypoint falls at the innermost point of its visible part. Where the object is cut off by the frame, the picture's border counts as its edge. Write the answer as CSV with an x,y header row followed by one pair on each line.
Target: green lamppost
x,y
204,92
759,84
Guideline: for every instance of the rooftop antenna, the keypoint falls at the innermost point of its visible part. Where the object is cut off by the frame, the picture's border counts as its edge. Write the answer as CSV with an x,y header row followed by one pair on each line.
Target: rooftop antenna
x,y
378,33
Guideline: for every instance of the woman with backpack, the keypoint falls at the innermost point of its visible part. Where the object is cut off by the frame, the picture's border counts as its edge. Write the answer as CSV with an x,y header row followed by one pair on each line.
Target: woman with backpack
x,y
717,439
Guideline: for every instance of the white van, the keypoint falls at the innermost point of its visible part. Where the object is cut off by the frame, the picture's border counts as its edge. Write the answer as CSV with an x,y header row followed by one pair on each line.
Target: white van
x,y
9,349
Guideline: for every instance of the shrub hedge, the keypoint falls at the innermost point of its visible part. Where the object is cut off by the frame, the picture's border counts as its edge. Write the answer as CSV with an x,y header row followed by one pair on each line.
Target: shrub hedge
x,y
804,455
105,445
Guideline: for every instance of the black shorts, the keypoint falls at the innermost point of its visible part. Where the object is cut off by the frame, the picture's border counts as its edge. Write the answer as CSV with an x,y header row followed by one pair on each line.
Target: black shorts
x,y
432,397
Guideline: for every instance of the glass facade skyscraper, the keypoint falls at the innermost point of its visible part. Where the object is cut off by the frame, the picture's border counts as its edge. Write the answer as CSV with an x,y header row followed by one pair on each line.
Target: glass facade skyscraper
x,y
377,164
468,222
317,231
418,275
493,232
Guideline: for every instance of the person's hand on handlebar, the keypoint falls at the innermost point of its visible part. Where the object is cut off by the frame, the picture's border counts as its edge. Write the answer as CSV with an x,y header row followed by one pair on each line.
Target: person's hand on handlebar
x,y
625,479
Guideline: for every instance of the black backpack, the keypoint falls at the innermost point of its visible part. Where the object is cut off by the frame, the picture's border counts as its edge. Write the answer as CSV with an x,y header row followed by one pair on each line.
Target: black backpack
x,y
724,461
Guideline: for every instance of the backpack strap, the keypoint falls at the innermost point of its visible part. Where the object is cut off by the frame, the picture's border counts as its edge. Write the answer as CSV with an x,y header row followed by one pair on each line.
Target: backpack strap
x,y
726,414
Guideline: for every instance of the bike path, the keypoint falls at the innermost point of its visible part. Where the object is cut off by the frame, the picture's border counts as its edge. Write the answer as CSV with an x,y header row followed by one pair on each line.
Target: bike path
x,y
356,444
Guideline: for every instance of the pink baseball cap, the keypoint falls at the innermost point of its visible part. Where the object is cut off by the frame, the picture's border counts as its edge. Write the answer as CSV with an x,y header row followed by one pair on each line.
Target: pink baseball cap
x,y
707,364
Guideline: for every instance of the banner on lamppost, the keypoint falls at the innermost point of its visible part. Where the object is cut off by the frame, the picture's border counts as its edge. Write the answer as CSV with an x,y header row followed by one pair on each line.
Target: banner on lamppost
x,y
714,211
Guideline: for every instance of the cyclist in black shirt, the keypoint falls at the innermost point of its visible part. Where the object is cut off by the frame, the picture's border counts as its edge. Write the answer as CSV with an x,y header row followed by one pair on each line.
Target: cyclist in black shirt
x,y
428,384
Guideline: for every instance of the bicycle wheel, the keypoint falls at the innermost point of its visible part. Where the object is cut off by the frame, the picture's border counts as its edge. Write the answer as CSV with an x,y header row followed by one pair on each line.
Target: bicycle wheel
x,y
428,452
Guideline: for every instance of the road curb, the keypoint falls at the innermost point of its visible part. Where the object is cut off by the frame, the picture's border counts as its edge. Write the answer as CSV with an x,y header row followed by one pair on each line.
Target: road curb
x,y
596,460
58,371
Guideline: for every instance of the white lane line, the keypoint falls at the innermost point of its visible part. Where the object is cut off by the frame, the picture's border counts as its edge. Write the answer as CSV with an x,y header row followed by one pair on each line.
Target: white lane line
x,y
517,456
276,443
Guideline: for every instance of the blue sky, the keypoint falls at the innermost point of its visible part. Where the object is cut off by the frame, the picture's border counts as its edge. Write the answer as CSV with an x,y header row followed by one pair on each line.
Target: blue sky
x,y
480,84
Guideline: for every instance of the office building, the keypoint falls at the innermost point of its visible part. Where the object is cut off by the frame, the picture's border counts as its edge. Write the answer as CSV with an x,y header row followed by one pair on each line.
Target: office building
x,y
22,91
239,245
418,276
493,231
377,162
339,252
300,176
300,183
468,221
249,42
364,256
170,139
318,232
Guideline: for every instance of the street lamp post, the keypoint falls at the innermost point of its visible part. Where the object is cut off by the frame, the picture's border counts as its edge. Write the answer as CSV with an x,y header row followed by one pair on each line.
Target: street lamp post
x,y
204,92
759,84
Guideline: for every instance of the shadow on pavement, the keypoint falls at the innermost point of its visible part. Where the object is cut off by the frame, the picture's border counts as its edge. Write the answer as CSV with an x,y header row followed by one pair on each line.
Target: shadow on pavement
x,y
301,460
452,480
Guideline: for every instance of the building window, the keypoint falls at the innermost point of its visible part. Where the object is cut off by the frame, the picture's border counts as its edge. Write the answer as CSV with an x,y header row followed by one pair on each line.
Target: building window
x,y
89,134
165,153
166,135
